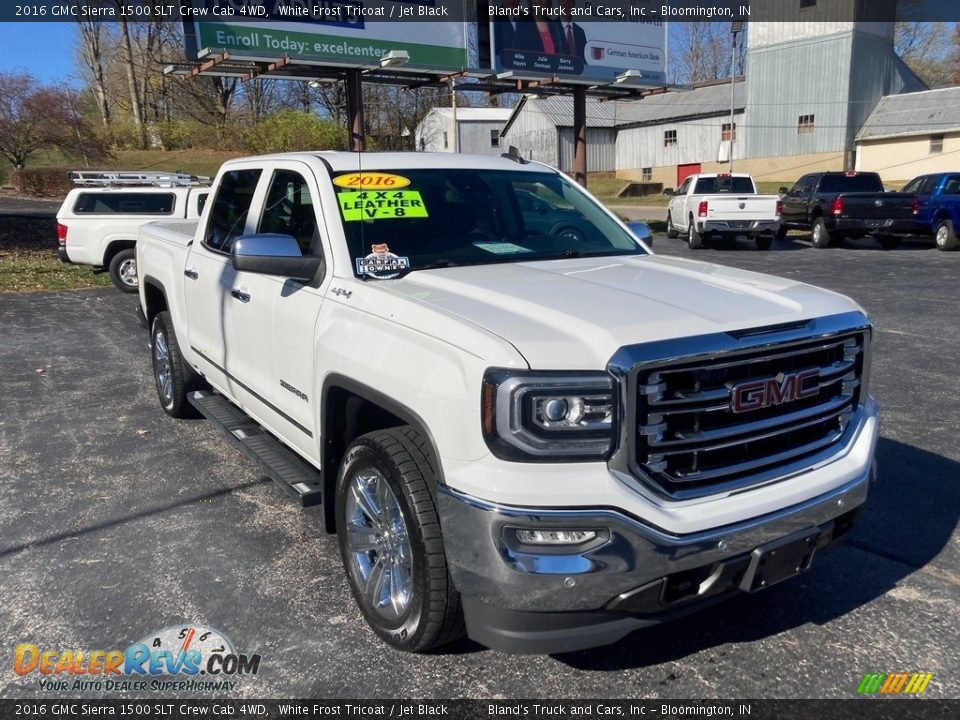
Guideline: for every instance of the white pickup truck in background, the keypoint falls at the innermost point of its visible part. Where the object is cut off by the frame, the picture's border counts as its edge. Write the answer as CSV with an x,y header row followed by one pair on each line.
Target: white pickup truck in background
x,y
100,219
723,206
521,423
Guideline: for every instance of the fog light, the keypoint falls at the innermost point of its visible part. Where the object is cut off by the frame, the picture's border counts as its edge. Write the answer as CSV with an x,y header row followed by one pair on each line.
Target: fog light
x,y
555,537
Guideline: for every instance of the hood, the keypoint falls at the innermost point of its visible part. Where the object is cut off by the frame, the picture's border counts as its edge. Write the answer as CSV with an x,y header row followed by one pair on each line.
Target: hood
x,y
574,314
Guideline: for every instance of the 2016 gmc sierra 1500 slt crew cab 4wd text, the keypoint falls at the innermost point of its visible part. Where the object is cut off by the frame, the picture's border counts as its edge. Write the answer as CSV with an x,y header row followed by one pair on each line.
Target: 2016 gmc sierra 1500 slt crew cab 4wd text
x,y
544,440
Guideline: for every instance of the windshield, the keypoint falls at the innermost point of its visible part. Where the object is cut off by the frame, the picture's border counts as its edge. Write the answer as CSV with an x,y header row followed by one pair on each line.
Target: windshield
x,y
409,220
720,184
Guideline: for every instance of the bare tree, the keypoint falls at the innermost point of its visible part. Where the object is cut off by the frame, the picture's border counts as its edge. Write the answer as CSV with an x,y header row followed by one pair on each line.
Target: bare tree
x,y
93,37
700,51
19,134
34,117
925,48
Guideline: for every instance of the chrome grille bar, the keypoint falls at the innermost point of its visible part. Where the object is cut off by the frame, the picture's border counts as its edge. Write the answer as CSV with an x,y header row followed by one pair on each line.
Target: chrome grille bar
x,y
682,436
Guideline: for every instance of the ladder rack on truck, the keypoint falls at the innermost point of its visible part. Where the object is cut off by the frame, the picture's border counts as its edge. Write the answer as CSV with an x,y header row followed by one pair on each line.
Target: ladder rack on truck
x,y
135,178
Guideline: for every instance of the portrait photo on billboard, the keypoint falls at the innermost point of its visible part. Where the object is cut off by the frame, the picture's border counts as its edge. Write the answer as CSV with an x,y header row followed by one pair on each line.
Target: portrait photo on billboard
x,y
569,38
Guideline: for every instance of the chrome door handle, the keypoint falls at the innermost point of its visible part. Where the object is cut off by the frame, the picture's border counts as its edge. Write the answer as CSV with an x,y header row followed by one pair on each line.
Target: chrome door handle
x,y
191,273
240,295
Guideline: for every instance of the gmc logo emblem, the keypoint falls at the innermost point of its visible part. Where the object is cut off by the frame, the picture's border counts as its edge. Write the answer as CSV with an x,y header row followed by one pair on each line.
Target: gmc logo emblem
x,y
759,394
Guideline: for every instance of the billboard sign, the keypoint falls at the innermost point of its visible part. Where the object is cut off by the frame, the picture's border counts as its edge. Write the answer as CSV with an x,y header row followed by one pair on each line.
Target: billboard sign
x,y
352,33
565,42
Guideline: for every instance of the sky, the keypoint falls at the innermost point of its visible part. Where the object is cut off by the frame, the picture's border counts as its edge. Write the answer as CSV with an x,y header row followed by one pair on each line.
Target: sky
x,y
19,43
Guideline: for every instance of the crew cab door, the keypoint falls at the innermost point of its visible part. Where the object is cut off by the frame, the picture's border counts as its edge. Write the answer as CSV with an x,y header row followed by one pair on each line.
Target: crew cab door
x,y
271,320
796,202
678,206
209,275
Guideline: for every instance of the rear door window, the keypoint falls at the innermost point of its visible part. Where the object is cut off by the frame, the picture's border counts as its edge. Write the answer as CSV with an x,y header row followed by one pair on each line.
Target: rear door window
x,y
228,216
125,204
951,186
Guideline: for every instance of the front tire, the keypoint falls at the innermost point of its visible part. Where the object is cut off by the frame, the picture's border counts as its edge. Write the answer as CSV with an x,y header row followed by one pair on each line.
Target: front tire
x,y
945,235
820,237
173,377
123,271
672,231
390,542
694,239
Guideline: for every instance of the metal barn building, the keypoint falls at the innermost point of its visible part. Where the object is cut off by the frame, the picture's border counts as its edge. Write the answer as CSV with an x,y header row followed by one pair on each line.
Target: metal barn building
x,y
477,130
542,129
664,138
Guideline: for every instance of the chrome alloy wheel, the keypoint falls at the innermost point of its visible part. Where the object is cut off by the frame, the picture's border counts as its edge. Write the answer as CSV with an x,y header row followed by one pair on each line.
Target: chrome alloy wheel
x,y
162,366
378,545
942,234
127,272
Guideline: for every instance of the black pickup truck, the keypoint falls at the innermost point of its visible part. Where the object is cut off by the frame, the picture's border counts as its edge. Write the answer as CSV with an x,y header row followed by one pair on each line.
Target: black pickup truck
x,y
835,205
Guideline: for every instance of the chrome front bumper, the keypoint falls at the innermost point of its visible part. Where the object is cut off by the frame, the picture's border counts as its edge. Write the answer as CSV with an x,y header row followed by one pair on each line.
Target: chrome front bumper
x,y
545,601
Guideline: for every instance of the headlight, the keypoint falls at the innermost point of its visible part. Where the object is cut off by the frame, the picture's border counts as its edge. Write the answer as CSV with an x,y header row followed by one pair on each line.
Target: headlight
x,y
545,416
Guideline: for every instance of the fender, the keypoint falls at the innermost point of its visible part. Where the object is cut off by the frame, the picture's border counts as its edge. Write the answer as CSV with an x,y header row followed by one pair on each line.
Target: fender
x,y
150,281
329,463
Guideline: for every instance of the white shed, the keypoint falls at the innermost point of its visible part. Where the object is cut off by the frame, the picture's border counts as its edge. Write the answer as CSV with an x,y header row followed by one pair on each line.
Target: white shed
x,y
478,130
542,129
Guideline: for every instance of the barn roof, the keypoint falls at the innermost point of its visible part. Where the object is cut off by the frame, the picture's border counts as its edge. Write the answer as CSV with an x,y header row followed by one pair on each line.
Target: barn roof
x,y
919,113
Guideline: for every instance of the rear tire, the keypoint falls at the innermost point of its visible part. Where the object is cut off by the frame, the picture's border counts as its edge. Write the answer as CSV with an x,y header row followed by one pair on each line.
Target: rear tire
x,y
672,231
782,232
173,377
694,239
123,271
820,237
764,242
390,542
945,235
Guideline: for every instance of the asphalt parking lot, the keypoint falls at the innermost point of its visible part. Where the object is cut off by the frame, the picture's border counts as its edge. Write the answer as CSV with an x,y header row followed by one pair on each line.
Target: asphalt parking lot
x,y
116,521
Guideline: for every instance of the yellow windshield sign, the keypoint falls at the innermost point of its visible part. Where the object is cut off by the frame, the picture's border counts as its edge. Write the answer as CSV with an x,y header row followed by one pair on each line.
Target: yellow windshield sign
x,y
381,205
371,181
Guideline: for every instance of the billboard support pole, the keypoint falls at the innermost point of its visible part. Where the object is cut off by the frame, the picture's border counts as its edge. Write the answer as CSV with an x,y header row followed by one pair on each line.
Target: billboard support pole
x,y
358,136
580,134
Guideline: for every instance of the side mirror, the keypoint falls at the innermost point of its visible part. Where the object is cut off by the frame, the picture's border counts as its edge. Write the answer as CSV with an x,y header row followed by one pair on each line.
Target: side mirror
x,y
669,191
273,255
642,231
784,190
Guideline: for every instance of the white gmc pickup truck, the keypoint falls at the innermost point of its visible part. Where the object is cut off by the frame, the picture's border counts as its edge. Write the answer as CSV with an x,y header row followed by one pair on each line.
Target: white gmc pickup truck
x,y
723,206
545,439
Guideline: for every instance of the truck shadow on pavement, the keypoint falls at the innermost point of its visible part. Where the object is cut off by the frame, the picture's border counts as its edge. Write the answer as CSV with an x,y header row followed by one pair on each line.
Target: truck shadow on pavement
x,y
910,516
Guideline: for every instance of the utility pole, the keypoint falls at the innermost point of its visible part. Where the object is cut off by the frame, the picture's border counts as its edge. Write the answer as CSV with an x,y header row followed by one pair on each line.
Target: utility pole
x,y
735,29
456,128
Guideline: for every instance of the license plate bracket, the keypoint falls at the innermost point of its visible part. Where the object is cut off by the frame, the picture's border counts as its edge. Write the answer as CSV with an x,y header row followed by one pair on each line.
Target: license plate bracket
x,y
780,560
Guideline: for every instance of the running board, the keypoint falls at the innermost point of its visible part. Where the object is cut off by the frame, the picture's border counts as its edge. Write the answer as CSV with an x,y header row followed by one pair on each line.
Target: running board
x,y
301,480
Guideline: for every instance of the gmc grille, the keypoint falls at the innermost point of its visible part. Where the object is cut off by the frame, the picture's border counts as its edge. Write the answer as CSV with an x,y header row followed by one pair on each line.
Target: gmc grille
x,y
690,442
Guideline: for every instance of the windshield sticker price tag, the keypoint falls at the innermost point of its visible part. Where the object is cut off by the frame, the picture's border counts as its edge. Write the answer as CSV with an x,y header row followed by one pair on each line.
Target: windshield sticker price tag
x,y
381,263
501,248
371,181
381,205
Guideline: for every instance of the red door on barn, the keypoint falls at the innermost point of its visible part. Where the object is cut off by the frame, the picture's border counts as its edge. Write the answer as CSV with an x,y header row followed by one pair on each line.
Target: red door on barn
x,y
685,171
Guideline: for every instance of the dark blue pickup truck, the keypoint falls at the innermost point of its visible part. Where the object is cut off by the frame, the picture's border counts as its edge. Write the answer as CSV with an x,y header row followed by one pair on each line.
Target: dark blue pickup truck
x,y
936,207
